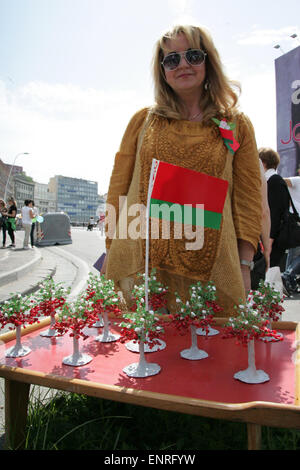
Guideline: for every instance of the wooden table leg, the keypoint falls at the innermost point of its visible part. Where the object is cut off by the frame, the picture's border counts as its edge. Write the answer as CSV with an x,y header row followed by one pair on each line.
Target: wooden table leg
x,y
16,404
254,436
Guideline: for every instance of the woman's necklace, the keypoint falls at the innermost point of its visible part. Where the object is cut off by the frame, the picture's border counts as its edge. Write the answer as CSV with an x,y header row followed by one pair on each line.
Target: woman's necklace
x,y
194,117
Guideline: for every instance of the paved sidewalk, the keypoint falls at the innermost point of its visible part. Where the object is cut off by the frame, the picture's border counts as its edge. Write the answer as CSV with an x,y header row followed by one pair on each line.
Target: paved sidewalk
x,y
15,263
22,271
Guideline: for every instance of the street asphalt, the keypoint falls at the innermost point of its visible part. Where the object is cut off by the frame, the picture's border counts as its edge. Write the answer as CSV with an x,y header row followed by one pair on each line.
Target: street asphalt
x,y
40,263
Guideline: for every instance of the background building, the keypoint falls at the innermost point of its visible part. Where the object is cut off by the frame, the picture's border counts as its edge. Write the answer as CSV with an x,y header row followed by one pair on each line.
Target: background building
x,y
76,197
44,200
101,204
4,174
23,189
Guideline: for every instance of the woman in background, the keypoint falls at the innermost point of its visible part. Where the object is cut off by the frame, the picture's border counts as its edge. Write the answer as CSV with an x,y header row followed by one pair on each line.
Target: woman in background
x,y
11,220
3,221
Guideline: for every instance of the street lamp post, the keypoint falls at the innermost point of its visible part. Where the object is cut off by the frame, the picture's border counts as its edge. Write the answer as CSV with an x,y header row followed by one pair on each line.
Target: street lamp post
x,y
278,46
295,36
11,168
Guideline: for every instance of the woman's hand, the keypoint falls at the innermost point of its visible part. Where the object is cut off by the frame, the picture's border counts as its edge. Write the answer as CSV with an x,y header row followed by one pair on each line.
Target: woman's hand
x,y
246,252
246,274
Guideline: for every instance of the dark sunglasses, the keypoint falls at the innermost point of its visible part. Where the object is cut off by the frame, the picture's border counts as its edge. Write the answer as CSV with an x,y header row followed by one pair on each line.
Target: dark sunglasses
x,y
192,56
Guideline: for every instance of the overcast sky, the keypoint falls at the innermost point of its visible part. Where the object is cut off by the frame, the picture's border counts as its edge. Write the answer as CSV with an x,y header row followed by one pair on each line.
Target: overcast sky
x,y
73,72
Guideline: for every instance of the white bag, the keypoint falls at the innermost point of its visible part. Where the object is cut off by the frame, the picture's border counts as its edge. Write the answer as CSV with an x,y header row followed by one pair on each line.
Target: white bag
x,y
273,278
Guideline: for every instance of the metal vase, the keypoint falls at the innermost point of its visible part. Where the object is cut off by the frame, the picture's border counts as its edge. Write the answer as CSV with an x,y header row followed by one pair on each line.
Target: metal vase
x,y
51,332
107,336
193,353
251,375
77,358
142,368
18,350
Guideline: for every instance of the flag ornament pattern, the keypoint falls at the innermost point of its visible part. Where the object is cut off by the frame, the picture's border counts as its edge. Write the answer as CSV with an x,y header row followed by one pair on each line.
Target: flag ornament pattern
x,y
226,131
186,196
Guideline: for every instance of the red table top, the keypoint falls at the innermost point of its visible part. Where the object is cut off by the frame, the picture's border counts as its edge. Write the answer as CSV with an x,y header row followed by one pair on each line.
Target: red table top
x,y
207,379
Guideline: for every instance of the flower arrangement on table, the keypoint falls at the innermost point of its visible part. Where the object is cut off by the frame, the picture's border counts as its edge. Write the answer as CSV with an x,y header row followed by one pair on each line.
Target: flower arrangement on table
x,y
268,302
104,301
157,292
17,313
74,317
144,327
49,298
157,295
197,312
247,326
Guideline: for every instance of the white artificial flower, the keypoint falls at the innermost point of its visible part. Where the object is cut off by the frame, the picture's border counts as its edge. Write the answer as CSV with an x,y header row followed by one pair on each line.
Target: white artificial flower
x,y
224,125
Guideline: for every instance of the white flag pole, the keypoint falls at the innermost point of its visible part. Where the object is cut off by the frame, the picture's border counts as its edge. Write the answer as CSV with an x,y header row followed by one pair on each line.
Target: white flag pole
x,y
153,171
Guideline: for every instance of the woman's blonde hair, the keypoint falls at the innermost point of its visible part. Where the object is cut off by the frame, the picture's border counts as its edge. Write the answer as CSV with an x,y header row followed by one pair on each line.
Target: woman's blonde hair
x,y
218,99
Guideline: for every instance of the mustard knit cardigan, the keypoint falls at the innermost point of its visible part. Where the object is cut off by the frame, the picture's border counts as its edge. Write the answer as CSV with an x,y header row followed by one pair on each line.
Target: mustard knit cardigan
x,y
200,147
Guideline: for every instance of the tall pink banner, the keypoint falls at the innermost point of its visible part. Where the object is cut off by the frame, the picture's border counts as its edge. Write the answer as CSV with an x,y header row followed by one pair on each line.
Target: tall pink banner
x,y
287,69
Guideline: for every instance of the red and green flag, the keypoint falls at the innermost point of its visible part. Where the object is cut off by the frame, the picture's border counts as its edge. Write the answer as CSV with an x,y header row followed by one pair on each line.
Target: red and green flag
x,y
186,196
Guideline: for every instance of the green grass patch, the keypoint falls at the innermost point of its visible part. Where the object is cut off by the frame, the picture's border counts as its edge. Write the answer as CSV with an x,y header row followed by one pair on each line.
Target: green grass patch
x,y
76,422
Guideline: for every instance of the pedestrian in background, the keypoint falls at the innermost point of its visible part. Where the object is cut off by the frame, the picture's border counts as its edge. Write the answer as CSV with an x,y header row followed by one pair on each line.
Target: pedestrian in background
x,y
292,268
11,220
35,214
27,216
3,221
278,199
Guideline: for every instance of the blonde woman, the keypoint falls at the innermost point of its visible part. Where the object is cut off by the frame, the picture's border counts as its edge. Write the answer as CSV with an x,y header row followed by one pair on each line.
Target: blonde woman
x,y
191,90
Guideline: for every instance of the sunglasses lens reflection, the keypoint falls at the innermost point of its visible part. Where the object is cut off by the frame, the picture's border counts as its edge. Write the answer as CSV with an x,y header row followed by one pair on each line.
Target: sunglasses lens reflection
x,y
192,56
171,61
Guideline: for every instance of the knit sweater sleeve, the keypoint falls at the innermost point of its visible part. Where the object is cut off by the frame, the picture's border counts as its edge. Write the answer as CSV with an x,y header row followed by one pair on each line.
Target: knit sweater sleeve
x,y
247,196
123,166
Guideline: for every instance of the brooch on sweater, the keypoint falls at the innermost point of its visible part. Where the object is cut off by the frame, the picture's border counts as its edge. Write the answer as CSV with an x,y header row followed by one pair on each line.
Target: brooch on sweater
x,y
226,131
